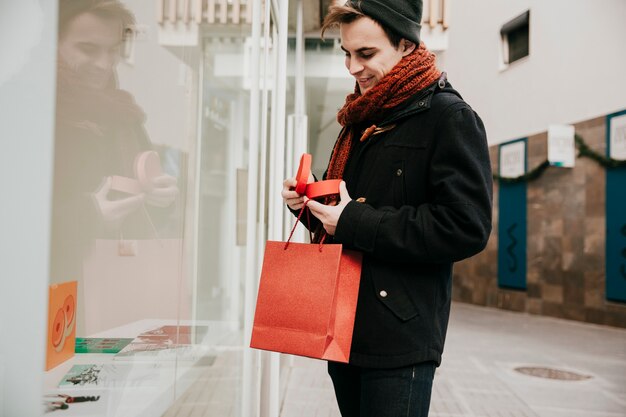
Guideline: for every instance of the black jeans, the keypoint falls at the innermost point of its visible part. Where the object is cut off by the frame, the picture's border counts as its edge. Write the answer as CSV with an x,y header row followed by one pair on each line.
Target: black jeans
x,y
368,392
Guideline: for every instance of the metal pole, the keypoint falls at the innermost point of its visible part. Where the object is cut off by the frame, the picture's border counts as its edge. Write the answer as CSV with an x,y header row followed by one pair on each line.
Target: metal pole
x,y
277,148
250,389
277,173
299,94
197,179
299,145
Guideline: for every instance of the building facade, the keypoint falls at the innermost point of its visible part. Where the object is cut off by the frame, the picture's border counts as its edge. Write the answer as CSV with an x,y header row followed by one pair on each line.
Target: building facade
x,y
571,266
218,100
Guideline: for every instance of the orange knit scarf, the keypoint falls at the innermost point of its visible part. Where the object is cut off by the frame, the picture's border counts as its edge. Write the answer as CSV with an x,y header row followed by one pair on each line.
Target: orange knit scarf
x,y
412,74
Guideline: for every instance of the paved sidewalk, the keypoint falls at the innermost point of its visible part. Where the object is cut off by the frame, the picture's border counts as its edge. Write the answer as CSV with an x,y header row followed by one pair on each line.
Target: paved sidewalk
x,y
478,377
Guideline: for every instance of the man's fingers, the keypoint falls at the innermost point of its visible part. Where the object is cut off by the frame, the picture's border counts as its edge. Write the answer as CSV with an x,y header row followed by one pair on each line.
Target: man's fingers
x,y
316,208
343,192
312,204
290,183
289,195
292,201
104,188
163,181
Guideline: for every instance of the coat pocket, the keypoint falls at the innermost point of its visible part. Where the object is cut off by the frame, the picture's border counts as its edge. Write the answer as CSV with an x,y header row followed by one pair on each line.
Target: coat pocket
x,y
392,293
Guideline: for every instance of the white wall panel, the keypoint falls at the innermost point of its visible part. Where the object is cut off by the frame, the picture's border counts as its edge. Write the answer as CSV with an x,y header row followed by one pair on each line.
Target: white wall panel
x,y
575,70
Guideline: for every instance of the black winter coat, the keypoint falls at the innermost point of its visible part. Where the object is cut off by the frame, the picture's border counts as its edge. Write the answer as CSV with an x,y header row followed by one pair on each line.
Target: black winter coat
x,y
421,200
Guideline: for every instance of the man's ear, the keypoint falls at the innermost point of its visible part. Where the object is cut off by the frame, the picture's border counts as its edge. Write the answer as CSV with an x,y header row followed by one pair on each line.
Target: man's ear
x,y
407,47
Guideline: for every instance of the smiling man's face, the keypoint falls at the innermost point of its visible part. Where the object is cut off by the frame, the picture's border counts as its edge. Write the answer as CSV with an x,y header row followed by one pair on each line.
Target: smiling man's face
x,y
91,47
369,53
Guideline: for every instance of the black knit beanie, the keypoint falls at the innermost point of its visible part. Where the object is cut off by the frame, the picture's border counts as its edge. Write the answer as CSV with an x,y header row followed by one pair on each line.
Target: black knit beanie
x,y
401,16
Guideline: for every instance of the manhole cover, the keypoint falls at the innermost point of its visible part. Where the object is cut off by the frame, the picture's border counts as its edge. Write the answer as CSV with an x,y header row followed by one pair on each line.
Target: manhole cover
x,y
551,373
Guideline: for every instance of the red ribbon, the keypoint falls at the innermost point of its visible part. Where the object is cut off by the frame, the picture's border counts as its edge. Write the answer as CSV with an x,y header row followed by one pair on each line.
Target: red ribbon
x,y
304,171
315,189
322,188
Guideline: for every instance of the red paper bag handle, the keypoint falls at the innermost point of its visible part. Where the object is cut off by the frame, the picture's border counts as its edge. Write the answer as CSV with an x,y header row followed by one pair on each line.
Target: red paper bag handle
x,y
304,208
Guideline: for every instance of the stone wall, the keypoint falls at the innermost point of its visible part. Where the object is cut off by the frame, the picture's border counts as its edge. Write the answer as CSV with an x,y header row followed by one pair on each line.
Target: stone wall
x,y
565,242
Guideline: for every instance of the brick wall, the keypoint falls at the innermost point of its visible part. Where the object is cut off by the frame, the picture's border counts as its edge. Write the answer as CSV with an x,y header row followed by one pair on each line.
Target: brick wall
x,y
565,243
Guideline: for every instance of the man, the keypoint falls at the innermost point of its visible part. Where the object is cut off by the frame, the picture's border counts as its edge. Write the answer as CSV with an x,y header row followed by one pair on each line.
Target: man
x,y
99,134
415,156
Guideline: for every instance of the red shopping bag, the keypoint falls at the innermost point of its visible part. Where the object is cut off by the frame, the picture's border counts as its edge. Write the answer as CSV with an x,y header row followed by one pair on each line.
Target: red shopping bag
x,y
307,300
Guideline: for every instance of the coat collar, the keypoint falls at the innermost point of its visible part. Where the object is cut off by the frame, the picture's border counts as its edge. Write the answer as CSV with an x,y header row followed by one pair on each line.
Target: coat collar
x,y
420,101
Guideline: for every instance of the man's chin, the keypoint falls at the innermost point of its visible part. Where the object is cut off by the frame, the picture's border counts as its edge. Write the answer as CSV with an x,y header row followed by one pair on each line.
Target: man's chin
x,y
95,84
365,87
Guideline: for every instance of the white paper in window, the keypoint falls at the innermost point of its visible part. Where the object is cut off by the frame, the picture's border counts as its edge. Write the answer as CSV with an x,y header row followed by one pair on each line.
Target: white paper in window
x,y
617,139
513,160
561,147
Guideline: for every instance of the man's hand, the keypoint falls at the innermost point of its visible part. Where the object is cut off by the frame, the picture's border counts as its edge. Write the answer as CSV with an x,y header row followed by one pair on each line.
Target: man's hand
x,y
164,191
329,215
113,211
294,200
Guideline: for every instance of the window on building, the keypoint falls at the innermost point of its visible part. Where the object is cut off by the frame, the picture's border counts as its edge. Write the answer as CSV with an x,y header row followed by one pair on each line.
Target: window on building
x,y
515,38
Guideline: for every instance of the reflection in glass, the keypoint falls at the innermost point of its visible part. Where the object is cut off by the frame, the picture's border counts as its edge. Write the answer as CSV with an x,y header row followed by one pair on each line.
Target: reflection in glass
x,y
111,196
149,230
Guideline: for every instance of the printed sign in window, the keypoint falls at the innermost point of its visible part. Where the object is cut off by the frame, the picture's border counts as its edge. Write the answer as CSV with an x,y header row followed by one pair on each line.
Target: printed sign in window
x,y
512,160
561,147
617,141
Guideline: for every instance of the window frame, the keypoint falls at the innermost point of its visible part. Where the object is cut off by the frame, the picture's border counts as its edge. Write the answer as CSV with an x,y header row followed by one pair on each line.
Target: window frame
x,y
519,22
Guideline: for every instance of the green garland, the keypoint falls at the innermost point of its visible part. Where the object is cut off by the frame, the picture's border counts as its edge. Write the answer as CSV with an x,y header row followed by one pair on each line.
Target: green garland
x,y
583,151
527,177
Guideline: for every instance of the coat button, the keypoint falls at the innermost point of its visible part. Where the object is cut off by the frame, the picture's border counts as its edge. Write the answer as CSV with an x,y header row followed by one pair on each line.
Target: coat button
x,y
360,200
383,293
399,172
421,104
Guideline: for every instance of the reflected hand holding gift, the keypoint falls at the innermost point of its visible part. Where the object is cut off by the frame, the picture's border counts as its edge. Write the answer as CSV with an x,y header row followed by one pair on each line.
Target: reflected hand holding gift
x,y
160,189
115,210
163,191
150,185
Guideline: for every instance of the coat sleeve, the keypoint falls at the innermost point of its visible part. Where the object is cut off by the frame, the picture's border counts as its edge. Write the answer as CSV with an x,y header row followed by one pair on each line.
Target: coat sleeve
x,y
456,221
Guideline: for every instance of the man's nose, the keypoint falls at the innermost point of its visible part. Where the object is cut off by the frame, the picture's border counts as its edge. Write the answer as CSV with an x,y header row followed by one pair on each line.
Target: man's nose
x,y
354,67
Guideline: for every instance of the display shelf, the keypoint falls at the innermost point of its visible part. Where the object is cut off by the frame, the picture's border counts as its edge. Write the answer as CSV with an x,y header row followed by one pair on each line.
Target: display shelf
x,y
139,386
